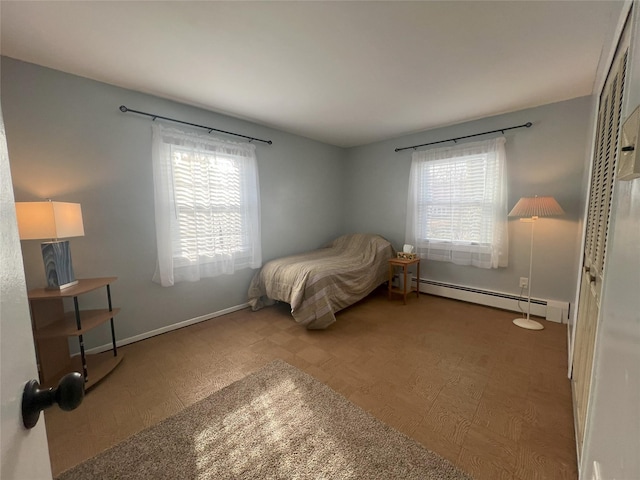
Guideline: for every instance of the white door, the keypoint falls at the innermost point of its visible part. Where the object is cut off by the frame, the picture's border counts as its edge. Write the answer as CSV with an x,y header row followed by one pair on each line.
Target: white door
x,y
25,454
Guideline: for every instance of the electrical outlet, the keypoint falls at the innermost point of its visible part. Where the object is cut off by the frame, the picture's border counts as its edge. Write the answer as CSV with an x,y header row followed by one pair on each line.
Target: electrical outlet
x,y
524,282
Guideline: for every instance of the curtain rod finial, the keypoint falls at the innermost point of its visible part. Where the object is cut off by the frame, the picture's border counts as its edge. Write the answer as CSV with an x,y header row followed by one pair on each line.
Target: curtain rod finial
x,y
123,108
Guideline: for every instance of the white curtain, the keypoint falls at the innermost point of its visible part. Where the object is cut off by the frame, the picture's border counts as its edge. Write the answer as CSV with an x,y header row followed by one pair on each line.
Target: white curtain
x,y
457,204
207,206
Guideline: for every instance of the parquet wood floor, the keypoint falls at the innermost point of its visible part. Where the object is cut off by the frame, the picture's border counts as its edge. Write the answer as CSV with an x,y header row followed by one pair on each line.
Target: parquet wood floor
x,y
459,378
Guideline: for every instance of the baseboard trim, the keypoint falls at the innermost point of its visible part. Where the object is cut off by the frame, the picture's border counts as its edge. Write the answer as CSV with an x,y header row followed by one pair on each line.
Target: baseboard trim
x,y
168,328
548,309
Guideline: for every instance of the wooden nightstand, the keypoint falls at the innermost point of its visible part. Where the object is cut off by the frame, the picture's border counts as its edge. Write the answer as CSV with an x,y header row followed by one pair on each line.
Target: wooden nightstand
x,y
404,264
52,326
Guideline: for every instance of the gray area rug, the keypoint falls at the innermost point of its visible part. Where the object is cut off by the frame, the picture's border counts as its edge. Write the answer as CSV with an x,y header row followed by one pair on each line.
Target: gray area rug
x,y
277,423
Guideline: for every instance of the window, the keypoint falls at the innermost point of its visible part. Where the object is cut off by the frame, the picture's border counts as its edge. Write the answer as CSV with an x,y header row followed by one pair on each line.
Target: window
x,y
457,204
207,206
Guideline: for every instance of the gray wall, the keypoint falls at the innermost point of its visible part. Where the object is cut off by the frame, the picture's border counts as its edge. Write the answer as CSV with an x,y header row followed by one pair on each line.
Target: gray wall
x,y
68,141
546,159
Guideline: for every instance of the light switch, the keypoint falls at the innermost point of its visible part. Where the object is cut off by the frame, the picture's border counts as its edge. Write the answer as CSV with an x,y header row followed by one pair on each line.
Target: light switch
x,y
629,161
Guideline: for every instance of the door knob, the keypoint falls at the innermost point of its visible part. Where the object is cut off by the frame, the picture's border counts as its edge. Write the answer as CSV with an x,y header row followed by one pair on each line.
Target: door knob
x,y
68,395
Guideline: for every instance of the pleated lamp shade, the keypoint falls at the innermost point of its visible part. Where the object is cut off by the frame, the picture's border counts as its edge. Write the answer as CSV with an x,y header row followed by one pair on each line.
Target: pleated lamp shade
x,y
528,207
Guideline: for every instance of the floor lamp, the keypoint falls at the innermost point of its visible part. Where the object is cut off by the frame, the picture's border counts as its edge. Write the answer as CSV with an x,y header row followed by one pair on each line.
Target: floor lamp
x,y
529,209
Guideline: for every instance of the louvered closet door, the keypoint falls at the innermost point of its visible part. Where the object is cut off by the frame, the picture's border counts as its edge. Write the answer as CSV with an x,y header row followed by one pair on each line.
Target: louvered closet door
x,y
595,248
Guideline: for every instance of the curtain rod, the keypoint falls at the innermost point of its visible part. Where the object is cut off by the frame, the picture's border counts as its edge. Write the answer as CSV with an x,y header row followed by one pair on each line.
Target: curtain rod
x,y
125,110
527,125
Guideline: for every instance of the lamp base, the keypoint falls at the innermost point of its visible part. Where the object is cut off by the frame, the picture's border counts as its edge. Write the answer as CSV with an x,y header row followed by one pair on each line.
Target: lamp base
x,y
57,265
62,287
528,324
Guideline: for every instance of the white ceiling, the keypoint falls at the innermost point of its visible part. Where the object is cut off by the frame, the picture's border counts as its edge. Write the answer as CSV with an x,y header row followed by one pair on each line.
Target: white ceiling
x,y
344,73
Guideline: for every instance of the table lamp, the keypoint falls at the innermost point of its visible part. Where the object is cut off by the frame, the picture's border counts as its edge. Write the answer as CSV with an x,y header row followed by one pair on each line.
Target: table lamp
x,y
52,220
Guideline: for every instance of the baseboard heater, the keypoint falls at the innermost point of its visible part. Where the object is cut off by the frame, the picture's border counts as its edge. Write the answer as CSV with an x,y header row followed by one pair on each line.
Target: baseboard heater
x,y
549,309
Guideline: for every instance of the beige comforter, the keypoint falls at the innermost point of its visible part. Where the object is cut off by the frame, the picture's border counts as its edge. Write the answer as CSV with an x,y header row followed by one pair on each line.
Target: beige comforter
x,y
322,282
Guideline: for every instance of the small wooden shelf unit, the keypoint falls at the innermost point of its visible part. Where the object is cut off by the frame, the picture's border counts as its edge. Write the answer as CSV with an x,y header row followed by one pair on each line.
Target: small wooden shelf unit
x,y
408,288
52,326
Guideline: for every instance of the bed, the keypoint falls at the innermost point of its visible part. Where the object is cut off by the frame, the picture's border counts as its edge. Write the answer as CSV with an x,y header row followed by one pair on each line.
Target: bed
x,y
322,282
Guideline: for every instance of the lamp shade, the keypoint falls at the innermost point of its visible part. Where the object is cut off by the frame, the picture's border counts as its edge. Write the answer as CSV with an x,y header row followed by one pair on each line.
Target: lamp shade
x,y
536,207
53,220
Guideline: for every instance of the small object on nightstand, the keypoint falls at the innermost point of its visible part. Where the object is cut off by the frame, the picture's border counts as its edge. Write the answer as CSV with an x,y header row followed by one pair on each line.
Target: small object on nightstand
x,y
404,263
